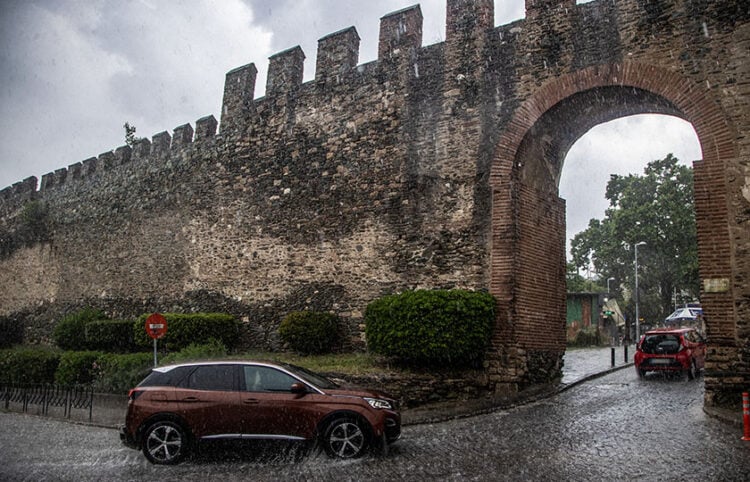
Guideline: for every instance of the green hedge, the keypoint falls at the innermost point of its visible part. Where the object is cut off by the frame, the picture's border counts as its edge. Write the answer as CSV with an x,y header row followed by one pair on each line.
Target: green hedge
x,y
70,332
196,352
431,327
110,336
186,329
77,367
29,365
310,332
119,373
11,332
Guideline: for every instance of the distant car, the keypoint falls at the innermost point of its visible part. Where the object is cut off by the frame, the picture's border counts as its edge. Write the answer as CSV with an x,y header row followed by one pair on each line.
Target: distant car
x,y
671,350
177,406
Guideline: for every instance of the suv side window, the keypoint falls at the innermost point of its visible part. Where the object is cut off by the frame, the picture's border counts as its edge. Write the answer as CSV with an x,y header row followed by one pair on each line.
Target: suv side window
x,y
212,377
267,379
170,378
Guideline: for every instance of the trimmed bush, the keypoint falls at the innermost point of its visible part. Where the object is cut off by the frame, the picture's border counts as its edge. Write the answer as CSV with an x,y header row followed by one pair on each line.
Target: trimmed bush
x,y
110,335
11,332
431,327
310,332
119,373
29,365
194,352
186,329
70,332
587,337
77,367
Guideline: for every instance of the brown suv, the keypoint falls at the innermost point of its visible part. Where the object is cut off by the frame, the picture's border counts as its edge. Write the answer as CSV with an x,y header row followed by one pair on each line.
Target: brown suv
x,y
176,406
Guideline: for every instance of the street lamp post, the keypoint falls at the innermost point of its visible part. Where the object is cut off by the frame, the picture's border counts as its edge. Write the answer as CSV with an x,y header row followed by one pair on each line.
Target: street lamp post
x,y
608,280
637,314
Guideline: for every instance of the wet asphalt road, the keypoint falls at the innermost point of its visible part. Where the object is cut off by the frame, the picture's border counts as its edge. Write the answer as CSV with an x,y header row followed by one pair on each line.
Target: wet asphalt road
x,y
616,427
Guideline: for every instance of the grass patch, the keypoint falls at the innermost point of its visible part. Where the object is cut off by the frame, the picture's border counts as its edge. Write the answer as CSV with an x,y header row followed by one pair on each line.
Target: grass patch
x,y
344,363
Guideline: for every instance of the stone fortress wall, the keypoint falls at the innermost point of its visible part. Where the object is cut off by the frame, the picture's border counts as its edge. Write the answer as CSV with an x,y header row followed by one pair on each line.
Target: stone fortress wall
x,y
431,167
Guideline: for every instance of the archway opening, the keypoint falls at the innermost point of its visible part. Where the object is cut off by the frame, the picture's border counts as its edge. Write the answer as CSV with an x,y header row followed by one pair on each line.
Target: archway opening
x,y
624,182
528,217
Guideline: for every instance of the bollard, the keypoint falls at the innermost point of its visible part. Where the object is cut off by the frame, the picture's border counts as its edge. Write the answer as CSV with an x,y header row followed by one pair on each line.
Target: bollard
x,y
626,353
613,356
746,415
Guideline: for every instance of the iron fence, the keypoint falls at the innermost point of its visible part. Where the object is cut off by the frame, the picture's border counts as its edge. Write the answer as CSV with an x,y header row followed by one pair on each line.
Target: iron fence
x,y
67,397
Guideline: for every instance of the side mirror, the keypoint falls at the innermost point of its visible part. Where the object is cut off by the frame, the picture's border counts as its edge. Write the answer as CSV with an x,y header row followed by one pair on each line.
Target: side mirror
x,y
299,388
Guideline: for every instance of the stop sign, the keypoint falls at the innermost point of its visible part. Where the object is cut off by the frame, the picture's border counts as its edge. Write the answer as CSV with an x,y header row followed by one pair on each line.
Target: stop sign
x,y
156,326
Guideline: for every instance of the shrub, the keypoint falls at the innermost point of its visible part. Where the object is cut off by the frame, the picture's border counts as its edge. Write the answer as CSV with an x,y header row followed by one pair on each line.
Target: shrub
x,y
119,373
110,335
186,329
70,332
29,365
431,327
77,367
310,332
193,352
11,332
587,337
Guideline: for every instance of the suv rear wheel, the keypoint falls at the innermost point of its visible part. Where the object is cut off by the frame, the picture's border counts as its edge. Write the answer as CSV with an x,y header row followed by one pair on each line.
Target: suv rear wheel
x,y
345,438
165,443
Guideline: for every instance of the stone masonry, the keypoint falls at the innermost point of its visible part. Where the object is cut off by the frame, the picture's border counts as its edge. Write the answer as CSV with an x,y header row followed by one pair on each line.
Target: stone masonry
x,y
431,167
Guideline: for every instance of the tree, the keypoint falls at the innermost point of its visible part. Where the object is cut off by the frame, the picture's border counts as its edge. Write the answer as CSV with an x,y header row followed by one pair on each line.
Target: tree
x,y
130,138
578,284
658,209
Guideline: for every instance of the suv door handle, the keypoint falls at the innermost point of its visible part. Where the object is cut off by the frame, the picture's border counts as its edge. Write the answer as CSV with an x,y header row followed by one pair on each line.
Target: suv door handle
x,y
191,399
250,401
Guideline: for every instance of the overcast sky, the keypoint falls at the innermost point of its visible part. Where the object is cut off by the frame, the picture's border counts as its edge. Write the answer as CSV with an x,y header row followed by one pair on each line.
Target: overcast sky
x,y
73,72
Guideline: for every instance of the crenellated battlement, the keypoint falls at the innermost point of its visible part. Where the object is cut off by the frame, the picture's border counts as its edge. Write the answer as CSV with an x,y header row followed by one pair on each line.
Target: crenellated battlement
x,y
548,25
160,147
337,58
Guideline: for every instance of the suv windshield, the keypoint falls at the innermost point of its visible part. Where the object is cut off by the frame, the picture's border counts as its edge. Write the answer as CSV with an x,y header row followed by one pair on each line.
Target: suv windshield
x,y
661,344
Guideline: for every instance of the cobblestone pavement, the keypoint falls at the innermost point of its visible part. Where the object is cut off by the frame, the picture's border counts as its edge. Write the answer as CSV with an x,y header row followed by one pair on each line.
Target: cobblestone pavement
x,y
615,427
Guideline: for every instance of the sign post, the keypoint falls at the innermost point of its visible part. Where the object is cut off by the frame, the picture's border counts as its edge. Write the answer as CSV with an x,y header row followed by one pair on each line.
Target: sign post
x,y
156,327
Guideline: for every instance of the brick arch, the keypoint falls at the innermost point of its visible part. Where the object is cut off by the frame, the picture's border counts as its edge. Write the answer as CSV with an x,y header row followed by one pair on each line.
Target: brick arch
x,y
527,262
696,104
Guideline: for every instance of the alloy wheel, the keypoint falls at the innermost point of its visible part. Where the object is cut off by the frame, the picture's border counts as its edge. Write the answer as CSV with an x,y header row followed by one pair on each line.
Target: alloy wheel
x,y
345,439
164,443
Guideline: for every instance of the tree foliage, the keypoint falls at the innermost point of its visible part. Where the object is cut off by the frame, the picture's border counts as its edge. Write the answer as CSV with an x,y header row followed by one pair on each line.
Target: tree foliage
x,y
656,208
130,138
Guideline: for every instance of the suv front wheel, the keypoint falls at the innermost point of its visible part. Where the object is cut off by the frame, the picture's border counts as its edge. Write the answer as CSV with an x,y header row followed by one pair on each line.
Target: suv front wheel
x,y
345,438
165,443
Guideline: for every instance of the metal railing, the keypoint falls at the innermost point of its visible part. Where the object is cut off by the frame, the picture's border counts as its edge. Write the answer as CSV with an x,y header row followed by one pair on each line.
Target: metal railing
x,y
67,397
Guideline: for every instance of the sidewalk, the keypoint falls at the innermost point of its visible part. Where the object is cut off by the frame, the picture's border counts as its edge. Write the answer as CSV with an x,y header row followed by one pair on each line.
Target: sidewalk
x,y
580,364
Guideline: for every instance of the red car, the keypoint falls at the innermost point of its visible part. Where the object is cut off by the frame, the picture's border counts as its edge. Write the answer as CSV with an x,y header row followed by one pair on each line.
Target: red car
x,y
675,350
177,406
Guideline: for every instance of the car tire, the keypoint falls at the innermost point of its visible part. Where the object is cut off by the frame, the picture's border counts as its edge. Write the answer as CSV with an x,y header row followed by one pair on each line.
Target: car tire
x,y
165,443
641,373
691,372
345,438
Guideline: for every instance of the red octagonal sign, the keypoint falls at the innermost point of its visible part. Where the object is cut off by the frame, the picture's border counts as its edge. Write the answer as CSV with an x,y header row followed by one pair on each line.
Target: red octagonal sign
x,y
156,326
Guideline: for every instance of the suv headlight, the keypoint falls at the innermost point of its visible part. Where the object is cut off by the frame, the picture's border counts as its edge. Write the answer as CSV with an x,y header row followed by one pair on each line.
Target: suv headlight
x,y
379,403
